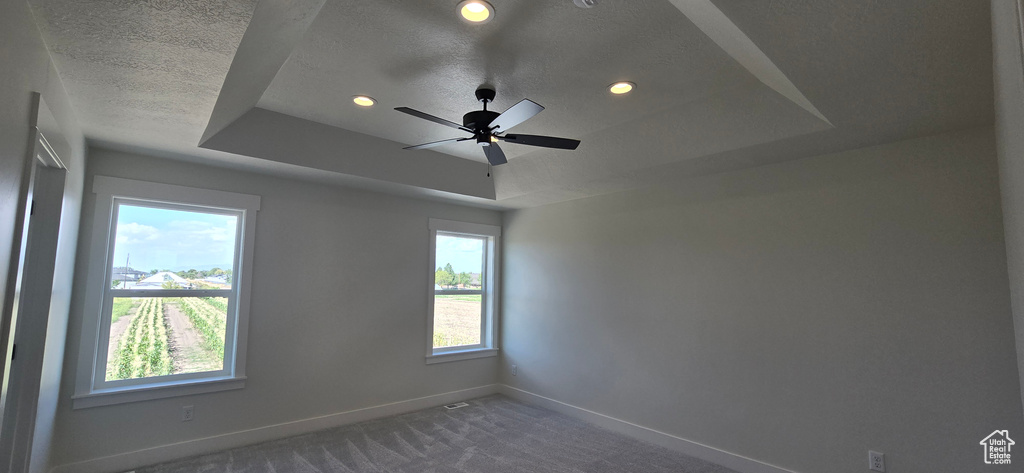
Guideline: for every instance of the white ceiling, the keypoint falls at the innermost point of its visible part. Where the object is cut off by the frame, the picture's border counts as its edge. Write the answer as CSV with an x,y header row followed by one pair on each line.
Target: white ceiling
x,y
418,54
721,85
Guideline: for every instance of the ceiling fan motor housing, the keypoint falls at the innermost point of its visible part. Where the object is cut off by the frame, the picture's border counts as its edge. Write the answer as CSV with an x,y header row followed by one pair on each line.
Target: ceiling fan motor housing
x,y
478,120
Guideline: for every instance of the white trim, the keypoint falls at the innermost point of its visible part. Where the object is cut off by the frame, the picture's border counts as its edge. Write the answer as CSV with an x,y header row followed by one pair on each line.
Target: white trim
x,y
91,389
491,235
117,187
45,152
719,457
453,226
462,355
164,453
134,393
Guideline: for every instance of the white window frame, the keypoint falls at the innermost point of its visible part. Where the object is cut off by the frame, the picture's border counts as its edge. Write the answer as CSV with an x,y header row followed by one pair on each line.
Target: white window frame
x,y
91,387
491,235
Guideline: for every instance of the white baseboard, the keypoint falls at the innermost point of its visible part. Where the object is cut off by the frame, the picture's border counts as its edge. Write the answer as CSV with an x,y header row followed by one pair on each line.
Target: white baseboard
x,y
163,453
720,457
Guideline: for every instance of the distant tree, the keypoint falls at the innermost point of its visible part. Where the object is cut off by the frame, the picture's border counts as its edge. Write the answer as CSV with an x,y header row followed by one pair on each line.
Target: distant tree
x,y
453,276
154,271
170,285
443,278
464,279
115,283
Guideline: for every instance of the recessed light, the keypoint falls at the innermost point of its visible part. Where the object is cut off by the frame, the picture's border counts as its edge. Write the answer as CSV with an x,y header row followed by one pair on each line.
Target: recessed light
x,y
363,101
476,11
620,88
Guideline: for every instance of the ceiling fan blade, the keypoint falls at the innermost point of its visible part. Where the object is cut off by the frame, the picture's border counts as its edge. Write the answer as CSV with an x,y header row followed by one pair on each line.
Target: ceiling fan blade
x,y
436,143
427,116
544,141
515,115
495,155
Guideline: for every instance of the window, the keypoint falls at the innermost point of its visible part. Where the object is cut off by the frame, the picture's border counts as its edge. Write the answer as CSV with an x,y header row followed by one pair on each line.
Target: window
x,y
463,278
167,301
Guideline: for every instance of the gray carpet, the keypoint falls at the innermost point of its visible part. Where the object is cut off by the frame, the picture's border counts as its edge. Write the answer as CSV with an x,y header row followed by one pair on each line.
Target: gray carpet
x,y
493,434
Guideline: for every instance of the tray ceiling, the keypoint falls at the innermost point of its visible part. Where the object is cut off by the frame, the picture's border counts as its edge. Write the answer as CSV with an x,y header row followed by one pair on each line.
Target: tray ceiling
x,y
267,86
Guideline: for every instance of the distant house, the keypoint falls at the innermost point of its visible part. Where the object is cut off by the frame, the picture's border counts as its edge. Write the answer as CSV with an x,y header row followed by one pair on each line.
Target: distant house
x,y
122,273
222,279
158,280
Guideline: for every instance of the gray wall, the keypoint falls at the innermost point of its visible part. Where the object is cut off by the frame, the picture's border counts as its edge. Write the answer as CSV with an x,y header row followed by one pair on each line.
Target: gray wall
x,y
1009,78
798,314
26,68
338,318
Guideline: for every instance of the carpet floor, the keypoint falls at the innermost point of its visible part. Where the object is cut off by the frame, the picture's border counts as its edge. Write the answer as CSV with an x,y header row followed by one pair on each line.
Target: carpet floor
x,y
494,434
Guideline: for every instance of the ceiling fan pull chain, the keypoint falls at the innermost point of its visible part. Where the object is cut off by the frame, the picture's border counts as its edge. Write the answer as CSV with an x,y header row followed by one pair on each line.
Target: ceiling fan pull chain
x,y
488,169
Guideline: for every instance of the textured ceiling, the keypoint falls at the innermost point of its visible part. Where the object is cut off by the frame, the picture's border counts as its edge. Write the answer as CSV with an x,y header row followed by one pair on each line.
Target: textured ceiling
x,y
880,66
420,55
723,84
146,71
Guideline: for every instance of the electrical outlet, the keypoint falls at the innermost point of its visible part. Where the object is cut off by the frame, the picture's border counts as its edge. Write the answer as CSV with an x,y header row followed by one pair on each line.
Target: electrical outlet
x,y
187,413
515,370
876,461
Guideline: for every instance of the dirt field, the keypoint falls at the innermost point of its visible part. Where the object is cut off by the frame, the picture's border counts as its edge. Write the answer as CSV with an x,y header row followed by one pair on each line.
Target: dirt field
x,y
116,330
456,322
187,350
188,354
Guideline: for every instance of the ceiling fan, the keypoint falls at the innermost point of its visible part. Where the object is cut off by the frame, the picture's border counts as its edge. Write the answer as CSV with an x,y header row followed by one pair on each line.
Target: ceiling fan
x,y
488,128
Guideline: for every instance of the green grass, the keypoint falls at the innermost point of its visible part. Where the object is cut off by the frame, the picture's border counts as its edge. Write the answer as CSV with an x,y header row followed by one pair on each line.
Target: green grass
x,y
453,340
122,306
460,297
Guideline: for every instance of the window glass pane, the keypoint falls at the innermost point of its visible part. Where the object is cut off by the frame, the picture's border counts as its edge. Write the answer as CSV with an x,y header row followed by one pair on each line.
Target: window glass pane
x,y
459,262
172,249
457,319
460,266
159,336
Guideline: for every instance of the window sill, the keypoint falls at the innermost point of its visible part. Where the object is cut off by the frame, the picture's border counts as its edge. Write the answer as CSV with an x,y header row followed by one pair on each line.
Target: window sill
x,y
148,392
462,355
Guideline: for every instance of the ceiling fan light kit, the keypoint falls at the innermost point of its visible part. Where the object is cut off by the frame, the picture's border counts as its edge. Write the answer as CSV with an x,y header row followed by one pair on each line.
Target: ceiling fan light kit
x,y
489,127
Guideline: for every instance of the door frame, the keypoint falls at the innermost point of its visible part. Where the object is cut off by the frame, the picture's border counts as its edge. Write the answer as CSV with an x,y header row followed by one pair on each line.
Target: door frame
x,y
25,315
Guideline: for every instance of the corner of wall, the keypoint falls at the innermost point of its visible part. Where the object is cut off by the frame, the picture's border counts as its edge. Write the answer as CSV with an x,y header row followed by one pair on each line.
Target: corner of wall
x,y
1008,62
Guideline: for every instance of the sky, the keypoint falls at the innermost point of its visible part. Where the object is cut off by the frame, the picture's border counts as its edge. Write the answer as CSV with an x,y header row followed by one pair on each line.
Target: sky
x,y
173,239
463,253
